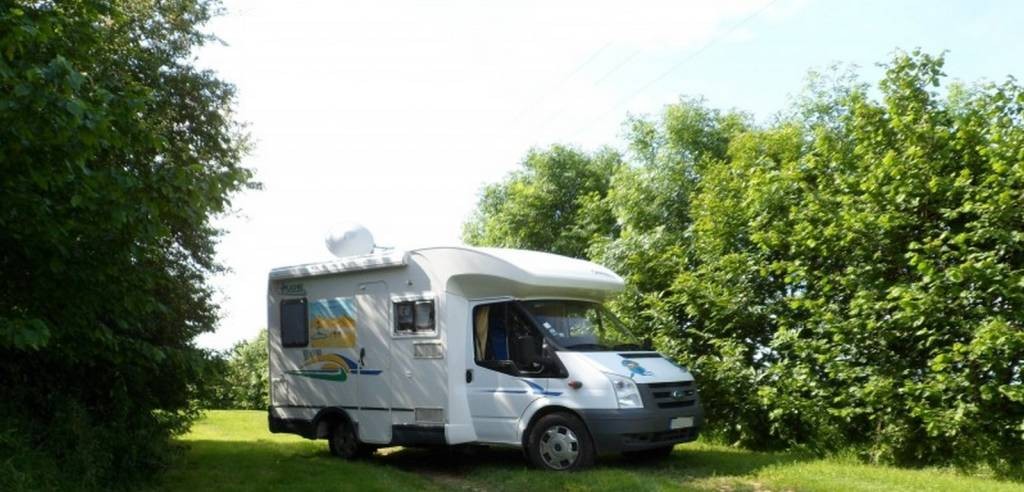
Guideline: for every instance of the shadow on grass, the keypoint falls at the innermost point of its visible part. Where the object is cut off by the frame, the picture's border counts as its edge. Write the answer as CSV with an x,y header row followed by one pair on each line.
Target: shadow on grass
x,y
232,450
500,468
307,465
273,465
302,465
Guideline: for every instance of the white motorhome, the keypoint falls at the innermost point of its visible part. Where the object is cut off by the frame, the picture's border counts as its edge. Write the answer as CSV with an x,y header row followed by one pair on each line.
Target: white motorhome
x,y
459,345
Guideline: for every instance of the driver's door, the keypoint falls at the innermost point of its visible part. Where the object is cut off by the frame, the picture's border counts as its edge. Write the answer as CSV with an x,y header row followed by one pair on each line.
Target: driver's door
x,y
500,390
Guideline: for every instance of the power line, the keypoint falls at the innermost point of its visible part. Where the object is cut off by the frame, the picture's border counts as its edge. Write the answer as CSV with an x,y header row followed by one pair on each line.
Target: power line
x,y
618,66
593,56
586,62
673,68
556,113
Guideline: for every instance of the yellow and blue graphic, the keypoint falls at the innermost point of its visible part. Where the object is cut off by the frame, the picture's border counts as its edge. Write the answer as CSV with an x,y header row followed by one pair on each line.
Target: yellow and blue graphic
x,y
329,367
332,323
635,369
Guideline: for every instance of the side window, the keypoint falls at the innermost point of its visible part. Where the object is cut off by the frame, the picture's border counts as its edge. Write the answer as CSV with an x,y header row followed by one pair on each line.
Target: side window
x,y
500,333
294,323
415,318
525,344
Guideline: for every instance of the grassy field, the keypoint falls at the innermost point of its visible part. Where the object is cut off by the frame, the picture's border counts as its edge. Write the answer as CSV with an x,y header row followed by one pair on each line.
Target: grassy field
x,y
232,450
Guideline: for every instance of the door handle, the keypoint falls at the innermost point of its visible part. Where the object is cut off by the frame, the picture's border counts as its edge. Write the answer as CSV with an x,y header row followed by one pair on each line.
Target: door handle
x,y
469,376
362,356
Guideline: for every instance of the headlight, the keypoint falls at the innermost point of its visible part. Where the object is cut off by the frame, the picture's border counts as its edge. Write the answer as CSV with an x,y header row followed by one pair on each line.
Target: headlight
x,y
626,392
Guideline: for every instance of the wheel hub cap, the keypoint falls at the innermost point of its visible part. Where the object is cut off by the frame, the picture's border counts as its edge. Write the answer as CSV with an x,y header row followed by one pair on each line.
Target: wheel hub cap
x,y
559,447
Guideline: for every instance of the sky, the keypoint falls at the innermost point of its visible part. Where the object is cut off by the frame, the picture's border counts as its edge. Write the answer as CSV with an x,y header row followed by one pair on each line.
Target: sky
x,y
394,114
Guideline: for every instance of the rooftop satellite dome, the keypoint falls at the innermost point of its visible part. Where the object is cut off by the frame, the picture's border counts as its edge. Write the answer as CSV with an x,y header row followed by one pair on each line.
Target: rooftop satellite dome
x,y
349,239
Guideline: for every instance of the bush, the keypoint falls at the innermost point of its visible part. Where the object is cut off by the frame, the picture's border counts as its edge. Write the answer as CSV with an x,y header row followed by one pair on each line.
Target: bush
x,y
115,153
238,379
849,276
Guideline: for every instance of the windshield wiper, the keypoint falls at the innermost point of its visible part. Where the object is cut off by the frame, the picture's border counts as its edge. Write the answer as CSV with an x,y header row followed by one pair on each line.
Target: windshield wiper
x,y
629,346
597,346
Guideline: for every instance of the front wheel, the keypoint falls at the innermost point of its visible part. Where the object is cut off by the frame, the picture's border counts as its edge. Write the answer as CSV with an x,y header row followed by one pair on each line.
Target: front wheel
x,y
343,442
560,442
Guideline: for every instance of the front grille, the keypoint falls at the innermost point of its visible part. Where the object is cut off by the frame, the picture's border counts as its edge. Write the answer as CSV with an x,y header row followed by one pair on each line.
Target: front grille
x,y
662,394
659,437
676,404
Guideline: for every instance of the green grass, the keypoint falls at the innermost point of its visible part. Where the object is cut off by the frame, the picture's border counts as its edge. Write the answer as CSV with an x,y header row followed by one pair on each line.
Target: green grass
x,y
232,450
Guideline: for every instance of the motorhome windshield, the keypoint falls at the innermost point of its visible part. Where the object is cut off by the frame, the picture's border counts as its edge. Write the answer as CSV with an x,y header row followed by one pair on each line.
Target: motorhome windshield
x,y
581,326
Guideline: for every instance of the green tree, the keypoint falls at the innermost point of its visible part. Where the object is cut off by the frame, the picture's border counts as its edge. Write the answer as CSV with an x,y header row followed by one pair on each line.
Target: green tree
x,y
554,203
248,372
115,152
238,378
859,268
851,274
214,391
651,201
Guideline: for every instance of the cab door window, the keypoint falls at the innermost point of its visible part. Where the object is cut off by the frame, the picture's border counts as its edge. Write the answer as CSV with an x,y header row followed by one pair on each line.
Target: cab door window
x,y
505,340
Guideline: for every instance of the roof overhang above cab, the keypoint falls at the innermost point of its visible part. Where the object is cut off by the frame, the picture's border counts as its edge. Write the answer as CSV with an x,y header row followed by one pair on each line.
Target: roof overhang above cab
x,y
495,272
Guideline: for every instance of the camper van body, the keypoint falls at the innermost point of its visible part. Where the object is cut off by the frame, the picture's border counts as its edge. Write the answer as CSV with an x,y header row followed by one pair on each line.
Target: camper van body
x,y
399,347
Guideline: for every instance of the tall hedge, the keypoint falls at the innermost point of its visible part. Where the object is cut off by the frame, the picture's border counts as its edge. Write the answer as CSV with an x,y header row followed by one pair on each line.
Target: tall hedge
x,y
850,275
115,152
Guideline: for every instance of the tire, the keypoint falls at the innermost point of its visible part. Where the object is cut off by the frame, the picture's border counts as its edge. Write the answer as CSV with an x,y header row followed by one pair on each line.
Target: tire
x,y
560,442
344,444
653,454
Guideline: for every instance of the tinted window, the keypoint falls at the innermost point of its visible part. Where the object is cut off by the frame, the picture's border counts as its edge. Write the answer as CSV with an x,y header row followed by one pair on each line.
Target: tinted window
x,y
405,317
414,317
500,333
294,323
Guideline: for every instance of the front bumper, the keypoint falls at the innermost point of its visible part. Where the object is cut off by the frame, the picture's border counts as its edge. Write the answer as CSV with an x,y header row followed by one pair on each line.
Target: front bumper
x,y
637,429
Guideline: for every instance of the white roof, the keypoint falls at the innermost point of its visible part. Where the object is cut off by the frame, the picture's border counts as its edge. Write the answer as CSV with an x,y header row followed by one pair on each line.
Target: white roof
x,y
481,272
386,259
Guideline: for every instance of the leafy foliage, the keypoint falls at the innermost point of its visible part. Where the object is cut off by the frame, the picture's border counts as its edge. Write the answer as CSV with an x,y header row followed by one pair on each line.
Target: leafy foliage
x,y
851,274
556,202
238,379
115,152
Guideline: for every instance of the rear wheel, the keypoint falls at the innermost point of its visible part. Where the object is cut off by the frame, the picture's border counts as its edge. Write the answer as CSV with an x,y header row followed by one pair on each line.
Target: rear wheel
x,y
560,442
343,442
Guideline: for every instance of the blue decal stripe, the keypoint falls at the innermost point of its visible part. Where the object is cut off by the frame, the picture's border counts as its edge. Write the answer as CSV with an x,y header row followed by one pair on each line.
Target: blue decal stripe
x,y
538,389
354,368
